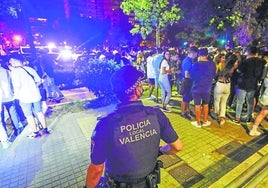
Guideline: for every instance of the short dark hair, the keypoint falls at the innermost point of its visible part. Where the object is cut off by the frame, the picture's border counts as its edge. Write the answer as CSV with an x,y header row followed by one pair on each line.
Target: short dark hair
x,y
193,49
203,52
252,50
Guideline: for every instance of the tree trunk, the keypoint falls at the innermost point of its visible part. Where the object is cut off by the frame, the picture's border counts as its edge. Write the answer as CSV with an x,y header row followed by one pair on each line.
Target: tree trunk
x,y
157,36
30,38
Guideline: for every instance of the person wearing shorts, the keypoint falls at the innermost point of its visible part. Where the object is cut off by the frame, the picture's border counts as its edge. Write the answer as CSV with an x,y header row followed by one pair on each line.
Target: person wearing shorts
x,y
203,72
25,82
187,82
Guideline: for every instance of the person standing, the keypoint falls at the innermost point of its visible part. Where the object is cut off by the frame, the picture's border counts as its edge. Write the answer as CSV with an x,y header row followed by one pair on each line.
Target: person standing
x,y
150,75
126,142
8,101
187,82
25,82
223,87
202,73
3,134
164,81
264,105
250,71
52,90
157,58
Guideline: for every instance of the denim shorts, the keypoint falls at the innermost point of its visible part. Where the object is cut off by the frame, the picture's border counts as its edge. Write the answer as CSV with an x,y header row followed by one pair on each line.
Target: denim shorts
x,y
201,97
30,109
186,87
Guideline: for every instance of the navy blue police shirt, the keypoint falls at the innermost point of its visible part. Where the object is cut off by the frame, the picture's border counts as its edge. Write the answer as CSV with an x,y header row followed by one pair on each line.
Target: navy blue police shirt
x,y
128,141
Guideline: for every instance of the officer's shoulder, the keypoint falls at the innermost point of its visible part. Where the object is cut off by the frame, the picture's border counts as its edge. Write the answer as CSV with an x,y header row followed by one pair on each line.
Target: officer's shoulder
x,y
152,109
109,117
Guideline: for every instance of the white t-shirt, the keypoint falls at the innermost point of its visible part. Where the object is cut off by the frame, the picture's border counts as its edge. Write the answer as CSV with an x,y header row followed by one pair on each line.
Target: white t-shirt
x,y
25,88
150,68
6,85
163,75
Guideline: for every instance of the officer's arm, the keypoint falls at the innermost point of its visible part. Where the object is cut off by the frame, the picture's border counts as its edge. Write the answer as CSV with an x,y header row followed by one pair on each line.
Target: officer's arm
x,y
172,148
94,173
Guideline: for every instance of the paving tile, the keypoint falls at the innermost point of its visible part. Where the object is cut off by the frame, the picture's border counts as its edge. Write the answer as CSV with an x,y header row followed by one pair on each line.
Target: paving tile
x,y
60,159
169,160
185,175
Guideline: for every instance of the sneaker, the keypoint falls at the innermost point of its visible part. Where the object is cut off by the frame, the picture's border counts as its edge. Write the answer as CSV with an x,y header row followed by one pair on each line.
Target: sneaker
x,y
61,97
207,123
6,144
170,104
165,109
191,113
196,124
250,120
47,131
222,121
236,121
254,133
153,97
150,98
214,115
186,116
34,135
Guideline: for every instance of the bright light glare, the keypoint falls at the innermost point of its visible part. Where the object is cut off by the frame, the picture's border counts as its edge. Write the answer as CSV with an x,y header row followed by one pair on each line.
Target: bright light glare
x,y
17,38
51,45
66,54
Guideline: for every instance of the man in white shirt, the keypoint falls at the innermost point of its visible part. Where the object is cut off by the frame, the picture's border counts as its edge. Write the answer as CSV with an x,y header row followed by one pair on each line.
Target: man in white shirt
x,y
150,74
25,81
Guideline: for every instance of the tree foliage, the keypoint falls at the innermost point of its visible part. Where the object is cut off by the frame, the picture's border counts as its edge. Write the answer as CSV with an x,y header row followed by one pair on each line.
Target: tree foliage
x,y
227,18
95,75
150,15
248,28
10,8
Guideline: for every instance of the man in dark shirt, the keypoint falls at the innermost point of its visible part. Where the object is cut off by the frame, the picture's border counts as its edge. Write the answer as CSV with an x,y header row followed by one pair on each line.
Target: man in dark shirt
x,y
202,73
127,140
251,71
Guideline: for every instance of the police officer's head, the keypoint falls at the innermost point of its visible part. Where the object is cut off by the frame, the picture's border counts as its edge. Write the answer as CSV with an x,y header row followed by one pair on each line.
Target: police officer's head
x,y
126,83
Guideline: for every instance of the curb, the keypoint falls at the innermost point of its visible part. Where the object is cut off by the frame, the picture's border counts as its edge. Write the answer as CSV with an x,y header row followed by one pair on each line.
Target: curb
x,y
259,178
250,173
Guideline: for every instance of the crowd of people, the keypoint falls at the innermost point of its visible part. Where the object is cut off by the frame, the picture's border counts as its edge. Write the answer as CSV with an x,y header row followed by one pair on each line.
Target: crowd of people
x,y
23,97
213,80
207,79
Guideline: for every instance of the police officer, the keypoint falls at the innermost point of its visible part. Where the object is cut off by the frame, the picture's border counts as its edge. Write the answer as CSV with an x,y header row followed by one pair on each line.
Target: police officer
x,y
127,141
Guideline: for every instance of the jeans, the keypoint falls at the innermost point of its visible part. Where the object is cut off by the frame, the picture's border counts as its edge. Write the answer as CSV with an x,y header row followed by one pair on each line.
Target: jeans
x,y
165,90
11,109
51,89
242,94
221,94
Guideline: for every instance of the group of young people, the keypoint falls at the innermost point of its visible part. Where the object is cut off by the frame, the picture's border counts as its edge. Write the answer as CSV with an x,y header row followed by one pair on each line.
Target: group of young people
x,y
213,81
21,98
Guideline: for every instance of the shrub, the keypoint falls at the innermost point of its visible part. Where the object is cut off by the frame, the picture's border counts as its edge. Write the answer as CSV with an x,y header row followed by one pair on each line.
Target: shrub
x,y
95,75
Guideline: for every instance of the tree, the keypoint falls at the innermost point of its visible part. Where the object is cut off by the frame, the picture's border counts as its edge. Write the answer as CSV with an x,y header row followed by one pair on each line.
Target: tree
x,y
229,18
248,28
10,8
150,15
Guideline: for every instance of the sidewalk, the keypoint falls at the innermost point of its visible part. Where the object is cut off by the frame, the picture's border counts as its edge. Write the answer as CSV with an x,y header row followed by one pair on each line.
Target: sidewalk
x,y
213,156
